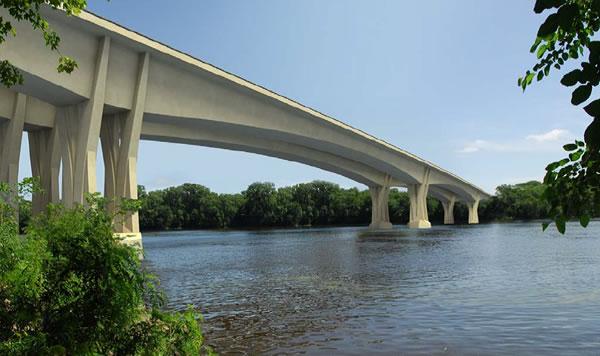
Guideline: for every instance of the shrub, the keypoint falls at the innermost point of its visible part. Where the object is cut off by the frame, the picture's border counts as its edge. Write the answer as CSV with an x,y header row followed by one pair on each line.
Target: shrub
x,y
70,287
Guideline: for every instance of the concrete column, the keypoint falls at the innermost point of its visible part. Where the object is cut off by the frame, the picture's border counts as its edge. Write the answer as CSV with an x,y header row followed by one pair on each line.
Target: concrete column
x,y
87,135
67,124
419,218
110,137
380,213
130,141
473,214
448,206
44,152
120,136
11,134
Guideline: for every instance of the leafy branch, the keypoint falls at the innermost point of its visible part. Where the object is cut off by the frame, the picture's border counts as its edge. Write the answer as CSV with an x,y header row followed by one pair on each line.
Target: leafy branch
x,y
29,11
573,183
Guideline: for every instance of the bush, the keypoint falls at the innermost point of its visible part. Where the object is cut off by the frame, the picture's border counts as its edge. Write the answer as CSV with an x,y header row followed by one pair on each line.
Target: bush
x,y
69,287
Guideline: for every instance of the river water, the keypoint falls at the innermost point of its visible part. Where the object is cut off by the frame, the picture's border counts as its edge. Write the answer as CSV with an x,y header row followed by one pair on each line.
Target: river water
x,y
501,289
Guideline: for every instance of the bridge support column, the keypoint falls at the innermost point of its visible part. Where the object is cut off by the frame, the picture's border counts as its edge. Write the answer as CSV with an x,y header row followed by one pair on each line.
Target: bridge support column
x,y
449,210
44,152
120,136
473,214
380,213
11,134
419,218
79,126
110,137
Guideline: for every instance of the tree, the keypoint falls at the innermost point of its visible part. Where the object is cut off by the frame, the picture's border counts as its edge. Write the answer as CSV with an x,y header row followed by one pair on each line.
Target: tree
x,y
259,208
229,208
399,206
522,201
573,183
192,206
29,11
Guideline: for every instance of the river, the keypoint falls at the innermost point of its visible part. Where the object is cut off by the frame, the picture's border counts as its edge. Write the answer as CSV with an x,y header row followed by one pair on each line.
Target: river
x,y
500,289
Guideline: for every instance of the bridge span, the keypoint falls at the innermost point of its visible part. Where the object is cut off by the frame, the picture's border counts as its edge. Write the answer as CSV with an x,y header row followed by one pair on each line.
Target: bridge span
x,y
129,88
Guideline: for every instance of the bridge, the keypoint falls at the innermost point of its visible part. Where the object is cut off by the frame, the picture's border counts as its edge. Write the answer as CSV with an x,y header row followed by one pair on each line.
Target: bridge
x,y
129,88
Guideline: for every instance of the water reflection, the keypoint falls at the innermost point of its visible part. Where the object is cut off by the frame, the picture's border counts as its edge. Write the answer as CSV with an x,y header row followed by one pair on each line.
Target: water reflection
x,y
485,289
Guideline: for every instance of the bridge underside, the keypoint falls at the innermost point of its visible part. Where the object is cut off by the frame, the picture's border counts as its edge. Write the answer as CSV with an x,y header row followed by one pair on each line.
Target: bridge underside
x,y
129,88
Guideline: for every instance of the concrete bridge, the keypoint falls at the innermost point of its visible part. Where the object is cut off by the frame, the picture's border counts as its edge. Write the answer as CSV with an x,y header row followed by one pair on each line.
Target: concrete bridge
x,y
130,88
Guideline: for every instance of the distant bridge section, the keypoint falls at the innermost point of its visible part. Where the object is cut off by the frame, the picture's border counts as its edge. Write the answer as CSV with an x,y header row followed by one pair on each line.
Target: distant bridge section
x,y
130,88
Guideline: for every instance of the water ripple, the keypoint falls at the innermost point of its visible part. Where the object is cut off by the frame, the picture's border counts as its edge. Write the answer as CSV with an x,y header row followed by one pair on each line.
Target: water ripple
x,y
488,289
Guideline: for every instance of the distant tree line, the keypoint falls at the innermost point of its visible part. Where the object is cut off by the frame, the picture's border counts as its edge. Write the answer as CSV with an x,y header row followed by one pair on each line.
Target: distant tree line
x,y
319,203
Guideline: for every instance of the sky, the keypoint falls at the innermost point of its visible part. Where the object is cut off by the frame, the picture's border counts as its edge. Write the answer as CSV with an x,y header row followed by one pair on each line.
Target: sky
x,y
435,77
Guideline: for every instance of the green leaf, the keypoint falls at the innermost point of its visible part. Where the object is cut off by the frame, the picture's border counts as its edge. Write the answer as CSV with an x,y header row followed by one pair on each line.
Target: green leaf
x,y
594,47
540,76
535,45
525,81
584,220
545,226
581,94
592,134
529,78
566,16
573,53
549,177
552,166
593,109
57,350
66,65
571,78
570,147
575,156
9,74
541,50
549,26
541,5
561,224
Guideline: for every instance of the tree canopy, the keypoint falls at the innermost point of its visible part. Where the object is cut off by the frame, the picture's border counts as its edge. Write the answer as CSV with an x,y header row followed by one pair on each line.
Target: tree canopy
x,y
318,203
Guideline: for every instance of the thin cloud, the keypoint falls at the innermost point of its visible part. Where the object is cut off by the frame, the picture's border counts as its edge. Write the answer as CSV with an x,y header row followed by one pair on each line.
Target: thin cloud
x,y
546,141
552,135
483,145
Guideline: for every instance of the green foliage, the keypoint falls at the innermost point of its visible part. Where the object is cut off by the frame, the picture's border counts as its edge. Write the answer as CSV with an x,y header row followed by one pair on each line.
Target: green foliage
x,y
260,205
516,202
317,203
70,287
29,11
192,206
24,214
573,186
568,33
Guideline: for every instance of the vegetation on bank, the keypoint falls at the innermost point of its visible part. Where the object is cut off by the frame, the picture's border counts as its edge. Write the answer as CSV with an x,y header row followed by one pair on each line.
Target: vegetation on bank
x,y
319,203
68,287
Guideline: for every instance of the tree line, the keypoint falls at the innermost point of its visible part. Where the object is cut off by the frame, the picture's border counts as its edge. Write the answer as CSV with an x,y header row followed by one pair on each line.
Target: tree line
x,y
318,203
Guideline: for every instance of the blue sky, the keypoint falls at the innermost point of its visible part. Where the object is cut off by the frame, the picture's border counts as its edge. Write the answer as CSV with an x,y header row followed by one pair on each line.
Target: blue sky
x,y
436,77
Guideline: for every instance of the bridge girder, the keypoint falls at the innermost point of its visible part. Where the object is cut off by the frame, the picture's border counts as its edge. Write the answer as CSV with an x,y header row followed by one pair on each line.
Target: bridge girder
x,y
173,97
